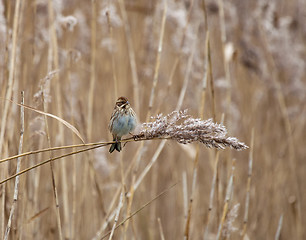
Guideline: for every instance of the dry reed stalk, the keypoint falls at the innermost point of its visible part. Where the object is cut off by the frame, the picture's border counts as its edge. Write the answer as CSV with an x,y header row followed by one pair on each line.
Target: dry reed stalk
x,y
95,181
60,120
195,166
149,165
47,161
226,65
86,181
211,79
153,209
9,88
53,149
59,103
162,236
55,193
157,63
279,228
122,173
177,60
4,172
132,57
134,229
93,57
214,185
3,194
120,204
218,182
123,186
36,183
225,62
132,188
228,197
205,15
12,64
179,105
140,209
16,189
63,147
111,213
130,196
104,226
185,193
6,57
20,213
213,107
64,184
162,144
204,80
151,101
54,61
115,80
74,199
73,225
187,225
247,199
292,159
202,116
36,178
211,196
289,136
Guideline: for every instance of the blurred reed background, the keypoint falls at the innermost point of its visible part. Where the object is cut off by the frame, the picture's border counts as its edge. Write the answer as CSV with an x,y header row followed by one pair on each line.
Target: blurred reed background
x,y
239,62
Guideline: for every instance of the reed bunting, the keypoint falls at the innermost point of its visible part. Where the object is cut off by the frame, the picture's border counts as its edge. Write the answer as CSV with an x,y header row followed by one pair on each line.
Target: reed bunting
x,y
122,122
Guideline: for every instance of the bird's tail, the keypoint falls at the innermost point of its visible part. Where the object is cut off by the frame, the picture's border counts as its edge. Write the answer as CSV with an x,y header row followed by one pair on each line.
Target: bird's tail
x,y
116,145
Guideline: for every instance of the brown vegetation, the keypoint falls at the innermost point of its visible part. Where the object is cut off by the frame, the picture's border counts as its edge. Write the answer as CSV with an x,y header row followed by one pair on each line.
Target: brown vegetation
x,y
240,63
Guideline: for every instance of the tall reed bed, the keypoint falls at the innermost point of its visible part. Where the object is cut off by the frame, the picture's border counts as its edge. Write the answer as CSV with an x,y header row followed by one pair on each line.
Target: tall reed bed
x,y
240,64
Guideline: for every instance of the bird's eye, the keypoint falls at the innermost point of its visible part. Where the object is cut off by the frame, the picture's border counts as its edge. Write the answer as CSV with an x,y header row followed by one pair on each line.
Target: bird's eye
x,y
121,104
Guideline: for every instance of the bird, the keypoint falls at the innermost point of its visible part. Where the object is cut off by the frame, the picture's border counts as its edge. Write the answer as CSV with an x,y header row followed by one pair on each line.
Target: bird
x,y
122,122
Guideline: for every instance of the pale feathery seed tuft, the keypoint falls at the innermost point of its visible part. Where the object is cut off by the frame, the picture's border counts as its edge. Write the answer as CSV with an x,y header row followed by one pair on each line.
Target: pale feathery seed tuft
x,y
185,129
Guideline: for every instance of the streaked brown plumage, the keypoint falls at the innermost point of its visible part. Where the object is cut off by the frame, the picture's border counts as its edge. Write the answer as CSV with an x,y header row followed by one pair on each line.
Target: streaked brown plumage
x,y
122,122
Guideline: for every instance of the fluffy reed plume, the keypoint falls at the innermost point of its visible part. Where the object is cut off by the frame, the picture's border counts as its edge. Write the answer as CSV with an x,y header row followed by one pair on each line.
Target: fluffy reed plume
x,y
185,129
229,227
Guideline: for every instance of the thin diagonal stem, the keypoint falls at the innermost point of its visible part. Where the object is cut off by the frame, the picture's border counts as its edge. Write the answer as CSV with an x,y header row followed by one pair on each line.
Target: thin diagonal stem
x,y
16,190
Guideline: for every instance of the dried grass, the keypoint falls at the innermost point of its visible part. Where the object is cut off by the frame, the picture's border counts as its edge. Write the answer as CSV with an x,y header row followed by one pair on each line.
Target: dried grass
x,y
238,63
